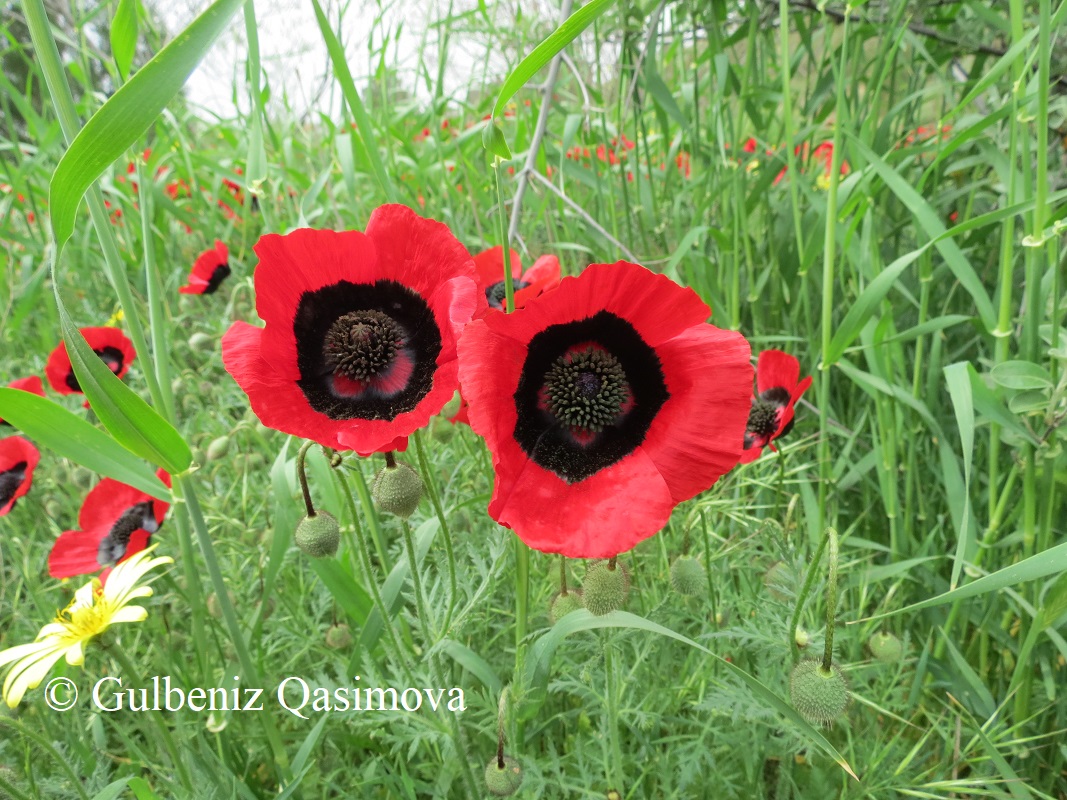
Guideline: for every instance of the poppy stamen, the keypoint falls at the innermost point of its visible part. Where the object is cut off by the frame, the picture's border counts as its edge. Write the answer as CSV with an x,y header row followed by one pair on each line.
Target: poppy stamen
x,y
587,389
362,344
762,418
496,293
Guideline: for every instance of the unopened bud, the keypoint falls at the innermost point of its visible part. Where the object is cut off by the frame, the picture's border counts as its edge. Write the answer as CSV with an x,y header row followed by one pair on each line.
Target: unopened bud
x,y
503,781
398,489
821,696
605,588
688,576
318,535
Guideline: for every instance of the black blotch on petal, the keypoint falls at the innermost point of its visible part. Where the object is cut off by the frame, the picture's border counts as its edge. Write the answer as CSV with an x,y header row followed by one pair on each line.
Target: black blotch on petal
x,y
548,443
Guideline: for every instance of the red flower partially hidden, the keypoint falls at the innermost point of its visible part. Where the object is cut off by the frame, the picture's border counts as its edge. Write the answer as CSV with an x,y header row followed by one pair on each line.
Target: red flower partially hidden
x,y
17,460
32,384
359,348
779,386
110,344
116,521
212,267
542,276
605,403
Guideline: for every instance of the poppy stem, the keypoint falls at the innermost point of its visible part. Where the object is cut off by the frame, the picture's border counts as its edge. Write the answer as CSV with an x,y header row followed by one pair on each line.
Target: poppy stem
x,y
612,562
805,590
562,575
390,460
509,282
501,721
831,600
435,500
300,473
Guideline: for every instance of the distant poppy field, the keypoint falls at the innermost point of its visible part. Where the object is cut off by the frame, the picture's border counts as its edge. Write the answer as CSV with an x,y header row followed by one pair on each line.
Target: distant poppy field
x,y
676,409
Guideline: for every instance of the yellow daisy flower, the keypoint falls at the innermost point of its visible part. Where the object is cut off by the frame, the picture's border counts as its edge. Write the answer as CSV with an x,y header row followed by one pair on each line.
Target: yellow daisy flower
x,y
93,609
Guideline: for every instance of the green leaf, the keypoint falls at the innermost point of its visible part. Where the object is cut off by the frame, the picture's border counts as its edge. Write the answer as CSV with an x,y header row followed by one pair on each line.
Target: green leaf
x,y
959,389
1054,604
124,35
682,250
348,594
1021,375
493,140
544,52
364,128
128,114
141,790
539,660
112,790
1049,562
473,663
126,416
989,405
931,224
49,424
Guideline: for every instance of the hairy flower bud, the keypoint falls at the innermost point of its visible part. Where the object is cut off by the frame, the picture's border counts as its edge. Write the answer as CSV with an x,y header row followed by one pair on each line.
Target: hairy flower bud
x,y
605,588
821,696
688,576
398,489
218,448
503,782
564,604
318,535
886,647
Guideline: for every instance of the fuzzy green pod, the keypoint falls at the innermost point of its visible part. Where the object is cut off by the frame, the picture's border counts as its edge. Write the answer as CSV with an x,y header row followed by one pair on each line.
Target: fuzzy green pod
x,y
688,576
201,341
564,604
886,647
218,448
821,696
318,535
605,588
397,489
339,637
503,781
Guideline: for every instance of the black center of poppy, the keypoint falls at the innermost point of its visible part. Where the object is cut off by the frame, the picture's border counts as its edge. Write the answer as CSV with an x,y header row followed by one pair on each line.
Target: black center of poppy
x,y
113,546
365,350
111,356
221,273
586,389
588,392
497,293
362,345
762,418
10,480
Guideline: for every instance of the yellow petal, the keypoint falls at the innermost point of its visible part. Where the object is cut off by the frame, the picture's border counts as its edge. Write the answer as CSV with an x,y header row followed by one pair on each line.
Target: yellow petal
x,y
129,614
76,654
27,674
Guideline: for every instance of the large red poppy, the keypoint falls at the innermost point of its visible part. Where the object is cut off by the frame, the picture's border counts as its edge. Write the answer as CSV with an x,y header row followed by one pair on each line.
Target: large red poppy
x,y
542,276
359,348
605,403
212,267
17,461
110,344
779,387
32,384
115,522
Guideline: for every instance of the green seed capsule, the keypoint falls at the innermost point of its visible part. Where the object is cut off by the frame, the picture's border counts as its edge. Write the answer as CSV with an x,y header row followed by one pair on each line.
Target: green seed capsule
x,y
886,647
503,782
318,535
218,448
821,696
564,604
688,576
398,489
605,589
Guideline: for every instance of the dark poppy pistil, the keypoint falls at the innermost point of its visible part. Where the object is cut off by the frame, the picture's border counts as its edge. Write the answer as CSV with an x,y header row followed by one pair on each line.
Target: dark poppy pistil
x,y
113,546
763,418
497,293
587,389
362,344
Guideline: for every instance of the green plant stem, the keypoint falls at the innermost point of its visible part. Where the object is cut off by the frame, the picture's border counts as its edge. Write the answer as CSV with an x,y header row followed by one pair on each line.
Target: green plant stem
x,y
371,513
809,580
430,479
505,241
611,701
416,582
831,600
301,474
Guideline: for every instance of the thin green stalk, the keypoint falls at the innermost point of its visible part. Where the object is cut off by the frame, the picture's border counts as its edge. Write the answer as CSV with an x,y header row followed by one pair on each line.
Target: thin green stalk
x,y
611,702
809,581
831,600
788,127
430,480
416,582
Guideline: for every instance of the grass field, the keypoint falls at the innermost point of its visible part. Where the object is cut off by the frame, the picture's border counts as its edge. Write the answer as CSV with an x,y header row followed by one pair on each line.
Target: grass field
x,y
877,190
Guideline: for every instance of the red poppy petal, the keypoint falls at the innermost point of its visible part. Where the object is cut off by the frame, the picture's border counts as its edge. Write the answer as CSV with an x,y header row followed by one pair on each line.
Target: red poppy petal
x,y
490,266
74,553
577,520
751,454
275,397
776,369
16,450
699,433
32,384
57,368
106,502
544,273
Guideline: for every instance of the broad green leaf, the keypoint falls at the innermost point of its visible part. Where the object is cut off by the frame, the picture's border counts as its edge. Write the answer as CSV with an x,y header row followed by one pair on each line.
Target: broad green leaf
x,y
1029,402
141,790
364,129
1054,604
493,140
1021,375
930,222
544,52
112,790
126,416
128,113
990,406
959,390
473,663
49,424
1049,562
539,659
348,594
124,35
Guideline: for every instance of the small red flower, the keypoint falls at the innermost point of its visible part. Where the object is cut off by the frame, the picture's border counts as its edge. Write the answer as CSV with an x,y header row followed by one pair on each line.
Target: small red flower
x,y
115,522
542,276
32,384
771,416
17,460
212,267
110,344
605,403
750,145
359,348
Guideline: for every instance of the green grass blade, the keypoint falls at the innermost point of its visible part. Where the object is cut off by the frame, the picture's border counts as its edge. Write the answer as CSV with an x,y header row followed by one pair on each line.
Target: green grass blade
x,y
959,389
133,423
124,35
543,53
49,424
128,114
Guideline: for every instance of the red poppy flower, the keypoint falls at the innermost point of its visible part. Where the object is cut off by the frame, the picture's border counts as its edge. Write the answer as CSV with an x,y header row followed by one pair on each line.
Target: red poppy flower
x,y
779,386
212,267
116,521
32,384
17,460
605,403
359,348
110,344
542,276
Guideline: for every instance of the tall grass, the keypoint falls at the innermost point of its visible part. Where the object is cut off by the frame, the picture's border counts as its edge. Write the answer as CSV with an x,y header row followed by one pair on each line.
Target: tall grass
x,y
915,267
